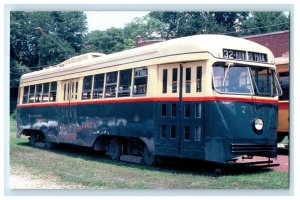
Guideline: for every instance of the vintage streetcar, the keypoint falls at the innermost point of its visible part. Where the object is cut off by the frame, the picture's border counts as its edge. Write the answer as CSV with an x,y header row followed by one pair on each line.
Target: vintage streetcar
x,y
204,97
282,67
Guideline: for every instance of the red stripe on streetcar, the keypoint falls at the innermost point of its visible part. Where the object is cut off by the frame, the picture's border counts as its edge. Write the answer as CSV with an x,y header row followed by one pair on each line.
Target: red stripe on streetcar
x,y
283,104
150,99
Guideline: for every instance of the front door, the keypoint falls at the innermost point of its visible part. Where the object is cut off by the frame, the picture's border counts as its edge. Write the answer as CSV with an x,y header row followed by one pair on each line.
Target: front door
x,y
69,111
191,111
180,111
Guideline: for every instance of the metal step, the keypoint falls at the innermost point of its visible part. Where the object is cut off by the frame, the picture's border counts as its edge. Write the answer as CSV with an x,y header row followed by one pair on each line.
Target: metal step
x,y
132,159
258,164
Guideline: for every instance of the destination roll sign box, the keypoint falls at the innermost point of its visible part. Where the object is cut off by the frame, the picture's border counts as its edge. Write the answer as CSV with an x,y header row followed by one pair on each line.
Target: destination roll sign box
x,y
241,55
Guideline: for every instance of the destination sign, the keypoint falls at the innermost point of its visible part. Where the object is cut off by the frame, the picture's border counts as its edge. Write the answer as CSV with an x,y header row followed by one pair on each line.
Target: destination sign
x,y
243,55
234,54
258,57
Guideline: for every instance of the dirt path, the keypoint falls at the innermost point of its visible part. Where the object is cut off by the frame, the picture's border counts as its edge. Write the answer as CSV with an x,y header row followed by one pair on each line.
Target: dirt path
x,y
21,178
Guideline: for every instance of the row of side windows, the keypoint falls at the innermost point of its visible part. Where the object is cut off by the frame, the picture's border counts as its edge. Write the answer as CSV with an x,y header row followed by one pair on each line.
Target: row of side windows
x,y
44,92
187,79
117,83
188,109
189,132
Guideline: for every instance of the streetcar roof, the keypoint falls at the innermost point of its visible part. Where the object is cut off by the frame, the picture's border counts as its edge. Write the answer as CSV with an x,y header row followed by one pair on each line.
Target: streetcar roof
x,y
213,44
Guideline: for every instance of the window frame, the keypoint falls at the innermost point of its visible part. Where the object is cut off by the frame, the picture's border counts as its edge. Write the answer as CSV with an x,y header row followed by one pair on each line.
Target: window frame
x,y
38,94
127,94
111,85
99,94
51,92
199,89
86,90
43,93
142,76
175,82
27,96
188,82
164,81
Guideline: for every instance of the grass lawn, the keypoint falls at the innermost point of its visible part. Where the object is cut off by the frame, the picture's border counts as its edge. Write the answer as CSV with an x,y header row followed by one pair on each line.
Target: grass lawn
x,y
91,170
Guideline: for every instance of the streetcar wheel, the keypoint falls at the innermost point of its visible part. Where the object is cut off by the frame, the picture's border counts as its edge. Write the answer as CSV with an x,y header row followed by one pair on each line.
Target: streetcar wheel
x,y
32,139
148,158
114,149
49,145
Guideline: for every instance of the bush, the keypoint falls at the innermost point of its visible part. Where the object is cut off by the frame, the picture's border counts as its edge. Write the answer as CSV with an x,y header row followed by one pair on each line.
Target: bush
x,y
14,114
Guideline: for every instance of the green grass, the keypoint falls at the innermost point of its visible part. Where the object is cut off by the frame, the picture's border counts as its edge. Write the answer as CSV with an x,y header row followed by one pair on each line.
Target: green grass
x,y
285,140
90,170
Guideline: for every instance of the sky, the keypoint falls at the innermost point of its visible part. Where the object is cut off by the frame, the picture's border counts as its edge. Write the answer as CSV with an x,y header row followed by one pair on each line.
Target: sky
x,y
102,20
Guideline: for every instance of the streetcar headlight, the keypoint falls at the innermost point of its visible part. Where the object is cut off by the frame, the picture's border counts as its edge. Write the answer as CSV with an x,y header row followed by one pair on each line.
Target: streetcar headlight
x,y
258,124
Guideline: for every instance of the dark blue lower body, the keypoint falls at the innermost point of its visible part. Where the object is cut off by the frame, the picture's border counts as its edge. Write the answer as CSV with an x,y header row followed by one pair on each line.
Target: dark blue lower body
x,y
216,131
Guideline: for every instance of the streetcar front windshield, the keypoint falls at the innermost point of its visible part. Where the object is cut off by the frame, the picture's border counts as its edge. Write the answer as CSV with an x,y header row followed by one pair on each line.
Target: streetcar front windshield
x,y
246,80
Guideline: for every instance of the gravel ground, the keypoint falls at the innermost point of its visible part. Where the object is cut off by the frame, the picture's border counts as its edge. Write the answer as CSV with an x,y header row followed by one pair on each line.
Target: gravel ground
x,y
21,178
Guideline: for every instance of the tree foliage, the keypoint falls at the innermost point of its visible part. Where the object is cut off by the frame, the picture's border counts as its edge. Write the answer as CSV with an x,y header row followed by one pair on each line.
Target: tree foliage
x,y
108,41
38,39
17,70
147,27
180,24
265,22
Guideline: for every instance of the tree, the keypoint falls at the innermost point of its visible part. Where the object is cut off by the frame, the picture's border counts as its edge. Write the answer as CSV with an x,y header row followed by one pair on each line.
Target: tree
x,y
265,22
38,39
108,41
17,70
230,21
147,27
180,24
61,26
70,26
53,49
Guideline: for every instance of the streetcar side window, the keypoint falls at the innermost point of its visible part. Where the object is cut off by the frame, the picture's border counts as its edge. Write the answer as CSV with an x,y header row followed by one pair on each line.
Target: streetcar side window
x,y
53,89
31,93
199,79
98,86
165,81
76,89
45,95
140,81
173,110
198,110
174,80
125,83
163,110
173,132
284,82
187,110
38,94
188,80
111,84
197,133
87,87
187,133
25,94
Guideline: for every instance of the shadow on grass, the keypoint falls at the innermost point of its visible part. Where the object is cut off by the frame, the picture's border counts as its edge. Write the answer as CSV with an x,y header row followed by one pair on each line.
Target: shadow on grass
x,y
170,165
